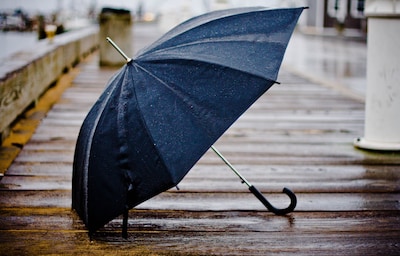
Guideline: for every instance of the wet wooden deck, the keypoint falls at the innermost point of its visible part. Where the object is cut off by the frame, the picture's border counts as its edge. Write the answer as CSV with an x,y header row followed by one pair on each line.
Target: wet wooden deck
x,y
298,135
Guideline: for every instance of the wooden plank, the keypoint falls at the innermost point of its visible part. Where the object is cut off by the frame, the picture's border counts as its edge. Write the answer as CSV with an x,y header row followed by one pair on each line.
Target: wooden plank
x,y
45,157
39,169
58,180
202,243
300,158
243,233
246,202
319,179
183,201
234,221
51,182
273,172
258,158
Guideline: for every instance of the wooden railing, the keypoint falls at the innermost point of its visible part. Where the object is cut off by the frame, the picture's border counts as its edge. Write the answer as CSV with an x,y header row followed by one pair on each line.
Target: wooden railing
x,y
26,75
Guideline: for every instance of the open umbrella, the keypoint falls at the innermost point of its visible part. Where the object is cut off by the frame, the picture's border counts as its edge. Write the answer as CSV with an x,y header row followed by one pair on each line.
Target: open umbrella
x,y
167,106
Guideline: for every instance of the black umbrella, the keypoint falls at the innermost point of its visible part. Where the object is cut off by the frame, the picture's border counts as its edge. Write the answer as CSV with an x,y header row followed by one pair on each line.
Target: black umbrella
x,y
167,106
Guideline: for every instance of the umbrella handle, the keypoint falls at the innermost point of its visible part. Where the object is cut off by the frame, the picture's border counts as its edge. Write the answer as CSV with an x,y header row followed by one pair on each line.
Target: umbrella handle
x,y
270,207
257,193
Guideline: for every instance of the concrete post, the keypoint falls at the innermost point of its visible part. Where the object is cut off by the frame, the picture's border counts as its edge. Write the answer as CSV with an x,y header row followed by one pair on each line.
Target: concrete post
x,y
382,108
116,24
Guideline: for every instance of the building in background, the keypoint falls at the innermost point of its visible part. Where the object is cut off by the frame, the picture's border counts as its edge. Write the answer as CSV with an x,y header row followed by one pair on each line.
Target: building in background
x,y
334,17
324,17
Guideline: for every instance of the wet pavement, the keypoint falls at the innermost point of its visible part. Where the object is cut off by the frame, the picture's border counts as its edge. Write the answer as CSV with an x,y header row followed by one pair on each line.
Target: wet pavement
x,y
298,135
338,62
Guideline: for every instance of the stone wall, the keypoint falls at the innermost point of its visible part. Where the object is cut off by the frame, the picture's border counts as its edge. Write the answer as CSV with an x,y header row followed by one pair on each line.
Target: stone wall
x,y
26,75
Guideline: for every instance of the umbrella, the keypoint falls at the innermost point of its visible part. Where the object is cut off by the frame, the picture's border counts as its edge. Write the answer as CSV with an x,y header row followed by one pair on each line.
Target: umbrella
x,y
167,106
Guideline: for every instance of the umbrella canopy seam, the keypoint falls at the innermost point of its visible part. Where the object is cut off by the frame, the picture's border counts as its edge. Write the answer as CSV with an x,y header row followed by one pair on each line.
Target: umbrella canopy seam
x,y
250,38
143,120
137,64
88,149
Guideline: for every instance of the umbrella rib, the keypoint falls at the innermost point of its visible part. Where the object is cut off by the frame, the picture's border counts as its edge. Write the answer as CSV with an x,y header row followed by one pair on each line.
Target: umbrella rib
x,y
176,92
206,59
88,150
159,79
255,39
143,119
208,18
202,61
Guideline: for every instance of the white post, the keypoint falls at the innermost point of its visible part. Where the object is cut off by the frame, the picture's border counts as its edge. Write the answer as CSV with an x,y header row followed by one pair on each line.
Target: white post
x,y
382,106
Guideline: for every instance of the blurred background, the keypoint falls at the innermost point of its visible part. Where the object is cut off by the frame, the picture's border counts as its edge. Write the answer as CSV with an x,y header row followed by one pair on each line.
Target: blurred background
x,y
22,21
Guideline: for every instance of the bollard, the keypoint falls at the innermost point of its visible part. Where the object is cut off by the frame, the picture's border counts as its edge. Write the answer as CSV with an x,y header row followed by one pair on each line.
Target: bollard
x,y
116,24
382,106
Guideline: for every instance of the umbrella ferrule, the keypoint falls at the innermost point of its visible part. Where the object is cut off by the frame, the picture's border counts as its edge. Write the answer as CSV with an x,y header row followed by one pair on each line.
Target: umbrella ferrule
x,y
118,49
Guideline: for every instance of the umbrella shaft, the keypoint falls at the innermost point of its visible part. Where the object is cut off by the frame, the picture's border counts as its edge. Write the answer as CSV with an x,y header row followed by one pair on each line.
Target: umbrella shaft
x,y
231,166
118,49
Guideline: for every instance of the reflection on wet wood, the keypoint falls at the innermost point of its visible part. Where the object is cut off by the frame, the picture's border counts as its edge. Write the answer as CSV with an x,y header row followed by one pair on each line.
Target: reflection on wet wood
x,y
207,233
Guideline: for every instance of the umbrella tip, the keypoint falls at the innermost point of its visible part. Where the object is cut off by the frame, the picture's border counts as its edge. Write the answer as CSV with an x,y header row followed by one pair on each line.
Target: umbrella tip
x,y
118,49
125,224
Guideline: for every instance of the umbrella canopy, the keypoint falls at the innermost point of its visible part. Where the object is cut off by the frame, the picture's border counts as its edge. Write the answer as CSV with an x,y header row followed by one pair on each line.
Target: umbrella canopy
x,y
165,108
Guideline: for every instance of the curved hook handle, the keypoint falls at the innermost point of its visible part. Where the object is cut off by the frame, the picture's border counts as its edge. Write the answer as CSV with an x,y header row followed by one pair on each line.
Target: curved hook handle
x,y
290,208
257,193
